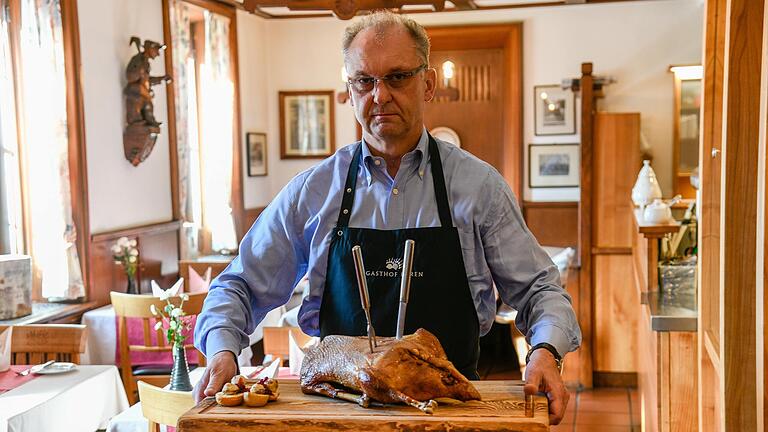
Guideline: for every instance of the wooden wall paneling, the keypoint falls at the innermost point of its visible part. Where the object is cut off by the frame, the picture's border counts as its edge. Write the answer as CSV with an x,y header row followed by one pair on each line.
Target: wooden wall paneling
x,y
616,160
647,374
553,223
585,311
171,107
683,388
762,312
616,314
158,258
738,264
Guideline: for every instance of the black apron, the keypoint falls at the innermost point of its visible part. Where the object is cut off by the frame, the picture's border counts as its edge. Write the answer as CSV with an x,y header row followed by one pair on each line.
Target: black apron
x,y
440,299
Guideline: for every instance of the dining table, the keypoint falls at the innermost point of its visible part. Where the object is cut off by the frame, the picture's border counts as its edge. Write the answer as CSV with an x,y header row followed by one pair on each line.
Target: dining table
x,y
78,399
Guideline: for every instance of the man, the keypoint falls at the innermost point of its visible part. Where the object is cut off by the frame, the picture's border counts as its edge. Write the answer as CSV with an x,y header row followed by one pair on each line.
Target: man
x,y
398,184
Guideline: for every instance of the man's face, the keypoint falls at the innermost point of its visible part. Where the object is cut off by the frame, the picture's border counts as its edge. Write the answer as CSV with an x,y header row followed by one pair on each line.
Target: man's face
x,y
389,112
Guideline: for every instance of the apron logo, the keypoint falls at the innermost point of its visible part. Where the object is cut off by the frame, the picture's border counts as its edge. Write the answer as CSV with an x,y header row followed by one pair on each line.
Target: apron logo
x,y
394,267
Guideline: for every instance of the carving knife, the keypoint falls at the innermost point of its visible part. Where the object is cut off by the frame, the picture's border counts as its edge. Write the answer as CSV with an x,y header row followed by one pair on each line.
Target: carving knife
x,y
405,286
362,284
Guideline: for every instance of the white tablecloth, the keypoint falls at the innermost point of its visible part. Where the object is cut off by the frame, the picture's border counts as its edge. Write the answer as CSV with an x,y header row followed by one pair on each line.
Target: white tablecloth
x,y
82,400
102,336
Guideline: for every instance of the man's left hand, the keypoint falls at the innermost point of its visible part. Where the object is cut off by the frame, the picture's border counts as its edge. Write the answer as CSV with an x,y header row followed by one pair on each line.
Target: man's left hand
x,y
541,375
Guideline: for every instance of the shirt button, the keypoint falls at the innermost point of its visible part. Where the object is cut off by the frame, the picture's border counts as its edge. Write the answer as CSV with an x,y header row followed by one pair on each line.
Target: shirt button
x,y
377,162
349,190
395,191
346,211
421,173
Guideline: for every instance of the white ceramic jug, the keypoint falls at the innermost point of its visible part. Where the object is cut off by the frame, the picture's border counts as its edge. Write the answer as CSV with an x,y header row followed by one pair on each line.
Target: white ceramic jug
x,y
646,187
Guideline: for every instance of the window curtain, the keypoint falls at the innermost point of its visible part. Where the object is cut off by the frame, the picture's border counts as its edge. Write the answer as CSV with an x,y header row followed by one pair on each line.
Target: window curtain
x,y
217,133
44,94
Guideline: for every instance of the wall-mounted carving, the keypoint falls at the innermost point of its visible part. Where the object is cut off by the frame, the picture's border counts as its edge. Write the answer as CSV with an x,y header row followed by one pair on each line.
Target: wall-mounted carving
x,y
142,128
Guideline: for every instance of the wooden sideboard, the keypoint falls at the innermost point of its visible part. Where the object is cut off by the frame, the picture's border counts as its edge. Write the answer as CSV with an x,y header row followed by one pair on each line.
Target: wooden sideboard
x,y
667,341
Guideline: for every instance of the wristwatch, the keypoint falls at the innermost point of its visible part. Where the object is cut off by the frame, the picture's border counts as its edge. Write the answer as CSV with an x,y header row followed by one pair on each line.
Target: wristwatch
x,y
550,348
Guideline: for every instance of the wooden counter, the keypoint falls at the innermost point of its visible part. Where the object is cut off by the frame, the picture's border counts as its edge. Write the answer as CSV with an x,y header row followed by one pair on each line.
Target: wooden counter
x,y
502,408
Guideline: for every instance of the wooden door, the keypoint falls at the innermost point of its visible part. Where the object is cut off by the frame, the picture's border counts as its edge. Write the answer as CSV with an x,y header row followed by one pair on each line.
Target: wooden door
x,y
477,115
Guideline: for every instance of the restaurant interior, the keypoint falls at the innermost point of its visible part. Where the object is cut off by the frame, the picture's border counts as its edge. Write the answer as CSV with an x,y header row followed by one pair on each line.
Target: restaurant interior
x,y
633,135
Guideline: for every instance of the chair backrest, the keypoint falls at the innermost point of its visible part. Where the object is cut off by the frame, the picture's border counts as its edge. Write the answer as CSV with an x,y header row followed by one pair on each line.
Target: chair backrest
x,y
38,343
138,306
276,341
161,406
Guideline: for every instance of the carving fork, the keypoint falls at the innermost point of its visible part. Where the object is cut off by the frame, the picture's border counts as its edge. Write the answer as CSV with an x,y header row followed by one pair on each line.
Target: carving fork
x,y
362,284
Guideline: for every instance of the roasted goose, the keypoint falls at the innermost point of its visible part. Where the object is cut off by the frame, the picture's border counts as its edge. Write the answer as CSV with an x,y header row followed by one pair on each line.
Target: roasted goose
x,y
413,370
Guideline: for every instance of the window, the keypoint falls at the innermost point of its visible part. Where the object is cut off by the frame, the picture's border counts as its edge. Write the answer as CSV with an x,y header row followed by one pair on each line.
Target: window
x,y
40,140
206,119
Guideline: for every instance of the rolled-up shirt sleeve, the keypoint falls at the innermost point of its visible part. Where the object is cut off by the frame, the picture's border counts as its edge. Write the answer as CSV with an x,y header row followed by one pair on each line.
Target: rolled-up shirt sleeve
x,y
525,276
272,258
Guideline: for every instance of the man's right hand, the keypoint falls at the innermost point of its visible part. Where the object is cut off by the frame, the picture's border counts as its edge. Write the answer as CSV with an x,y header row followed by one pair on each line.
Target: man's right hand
x,y
220,370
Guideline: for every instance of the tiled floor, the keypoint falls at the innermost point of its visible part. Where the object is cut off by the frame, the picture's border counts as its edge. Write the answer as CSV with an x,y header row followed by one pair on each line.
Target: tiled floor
x,y
602,410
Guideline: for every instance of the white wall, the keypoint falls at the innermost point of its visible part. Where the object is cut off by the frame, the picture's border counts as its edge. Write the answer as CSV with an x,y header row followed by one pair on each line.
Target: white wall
x,y
633,42
120,195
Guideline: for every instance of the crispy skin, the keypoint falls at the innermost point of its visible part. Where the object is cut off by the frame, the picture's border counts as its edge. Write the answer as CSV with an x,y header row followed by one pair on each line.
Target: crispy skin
x,y
412,370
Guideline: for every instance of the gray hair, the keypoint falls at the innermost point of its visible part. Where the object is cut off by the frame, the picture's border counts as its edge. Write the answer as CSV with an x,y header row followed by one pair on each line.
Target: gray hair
x,y
382,20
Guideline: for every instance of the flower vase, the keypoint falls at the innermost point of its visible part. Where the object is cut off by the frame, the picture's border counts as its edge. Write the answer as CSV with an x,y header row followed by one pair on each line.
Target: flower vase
x,y
132,286
180,374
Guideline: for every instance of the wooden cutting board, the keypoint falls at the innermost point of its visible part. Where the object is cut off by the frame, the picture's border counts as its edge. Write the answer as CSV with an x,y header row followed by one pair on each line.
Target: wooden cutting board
x,y
502,408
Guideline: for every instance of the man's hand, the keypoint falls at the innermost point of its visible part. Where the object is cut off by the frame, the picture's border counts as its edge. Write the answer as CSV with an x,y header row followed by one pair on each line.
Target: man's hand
x,y
221,368
541,375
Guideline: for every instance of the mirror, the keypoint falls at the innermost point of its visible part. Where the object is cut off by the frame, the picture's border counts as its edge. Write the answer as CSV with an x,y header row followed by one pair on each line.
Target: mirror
x,y
687,116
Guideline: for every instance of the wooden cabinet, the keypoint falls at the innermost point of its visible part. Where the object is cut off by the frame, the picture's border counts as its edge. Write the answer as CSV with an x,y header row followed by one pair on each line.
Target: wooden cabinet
x,y
666,340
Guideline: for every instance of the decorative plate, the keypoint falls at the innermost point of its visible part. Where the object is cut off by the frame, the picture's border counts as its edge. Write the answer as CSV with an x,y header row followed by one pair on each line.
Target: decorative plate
x,y
446,134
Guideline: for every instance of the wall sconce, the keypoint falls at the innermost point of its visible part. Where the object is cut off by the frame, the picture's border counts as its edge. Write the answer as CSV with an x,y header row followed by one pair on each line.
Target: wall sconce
x,y
684,73
447,91
343,96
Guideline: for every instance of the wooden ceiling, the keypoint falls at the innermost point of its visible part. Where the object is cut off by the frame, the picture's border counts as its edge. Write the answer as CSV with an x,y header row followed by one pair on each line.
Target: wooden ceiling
x,y
346,9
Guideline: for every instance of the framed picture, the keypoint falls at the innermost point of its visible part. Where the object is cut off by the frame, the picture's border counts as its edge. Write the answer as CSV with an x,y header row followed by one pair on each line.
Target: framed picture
x,y
553,165
554,110
256,149
306,124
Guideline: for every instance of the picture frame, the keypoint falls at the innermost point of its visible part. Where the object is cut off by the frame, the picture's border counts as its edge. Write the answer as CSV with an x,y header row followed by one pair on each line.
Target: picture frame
x,y
554,110
306,124
553,165
256,153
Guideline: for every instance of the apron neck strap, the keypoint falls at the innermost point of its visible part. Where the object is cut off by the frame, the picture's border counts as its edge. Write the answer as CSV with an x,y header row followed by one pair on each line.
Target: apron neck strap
x,y
438,180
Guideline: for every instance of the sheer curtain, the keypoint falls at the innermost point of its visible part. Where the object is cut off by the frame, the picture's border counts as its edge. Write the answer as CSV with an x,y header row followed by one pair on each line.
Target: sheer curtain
x,y
205,128
45,153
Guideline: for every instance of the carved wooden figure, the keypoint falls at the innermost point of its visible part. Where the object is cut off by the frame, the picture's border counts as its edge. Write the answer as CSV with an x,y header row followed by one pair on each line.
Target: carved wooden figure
x,y
142,128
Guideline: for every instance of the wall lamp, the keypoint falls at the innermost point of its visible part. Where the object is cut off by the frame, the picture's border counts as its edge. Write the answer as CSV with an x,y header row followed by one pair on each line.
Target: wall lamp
x,y
451,93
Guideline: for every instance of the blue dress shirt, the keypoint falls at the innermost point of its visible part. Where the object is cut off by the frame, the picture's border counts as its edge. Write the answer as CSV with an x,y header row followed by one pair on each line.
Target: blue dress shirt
x,y
292,236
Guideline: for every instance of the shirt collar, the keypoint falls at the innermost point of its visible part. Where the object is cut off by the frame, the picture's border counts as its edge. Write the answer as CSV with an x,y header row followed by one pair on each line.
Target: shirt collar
x,y
422,149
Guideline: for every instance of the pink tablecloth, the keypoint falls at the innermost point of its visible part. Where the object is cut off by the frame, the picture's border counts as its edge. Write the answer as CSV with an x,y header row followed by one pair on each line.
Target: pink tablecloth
x,y
9,380
136,337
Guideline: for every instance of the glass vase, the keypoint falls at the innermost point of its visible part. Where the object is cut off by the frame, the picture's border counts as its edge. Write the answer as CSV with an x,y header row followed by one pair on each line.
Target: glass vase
x,y
180,373
133,287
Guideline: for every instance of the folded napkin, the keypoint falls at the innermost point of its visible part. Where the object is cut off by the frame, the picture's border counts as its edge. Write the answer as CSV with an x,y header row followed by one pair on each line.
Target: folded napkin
x,y
5,349
197,283
170,292
296,347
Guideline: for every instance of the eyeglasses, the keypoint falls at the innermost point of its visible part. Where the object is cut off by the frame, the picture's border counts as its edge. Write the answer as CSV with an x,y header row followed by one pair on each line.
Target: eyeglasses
x,y
395,80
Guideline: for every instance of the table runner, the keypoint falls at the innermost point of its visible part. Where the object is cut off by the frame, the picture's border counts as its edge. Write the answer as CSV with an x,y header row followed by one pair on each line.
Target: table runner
x,y
9,380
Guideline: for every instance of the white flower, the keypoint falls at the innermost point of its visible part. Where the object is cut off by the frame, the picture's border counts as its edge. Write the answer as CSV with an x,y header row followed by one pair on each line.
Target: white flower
x,y
158,325
185,297
134,252
176,312
123,242
132,243
153,309
132,259
116,249
173,325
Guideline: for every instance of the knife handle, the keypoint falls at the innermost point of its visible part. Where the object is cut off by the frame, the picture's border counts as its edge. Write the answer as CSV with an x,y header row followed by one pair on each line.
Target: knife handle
x,y
405,280
362,283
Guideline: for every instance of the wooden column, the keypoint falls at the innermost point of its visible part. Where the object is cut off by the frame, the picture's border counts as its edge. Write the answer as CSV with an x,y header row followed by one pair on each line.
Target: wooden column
x,y
586,306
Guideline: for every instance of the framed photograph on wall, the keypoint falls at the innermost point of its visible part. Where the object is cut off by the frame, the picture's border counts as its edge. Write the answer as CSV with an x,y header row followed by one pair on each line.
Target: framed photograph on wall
x,y
256,151
554,110
306,124
553,165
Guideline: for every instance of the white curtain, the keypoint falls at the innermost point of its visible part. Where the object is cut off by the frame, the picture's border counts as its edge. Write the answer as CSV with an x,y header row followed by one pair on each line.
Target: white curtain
x,y
46,153
217,133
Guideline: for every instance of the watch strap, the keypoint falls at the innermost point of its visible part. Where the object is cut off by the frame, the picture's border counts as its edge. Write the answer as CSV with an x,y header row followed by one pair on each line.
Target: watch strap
x,y
548,347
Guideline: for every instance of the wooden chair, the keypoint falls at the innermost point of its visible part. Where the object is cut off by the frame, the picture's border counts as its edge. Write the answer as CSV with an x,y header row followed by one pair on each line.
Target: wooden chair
x,y
276,341
161,406
138,306
38,343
